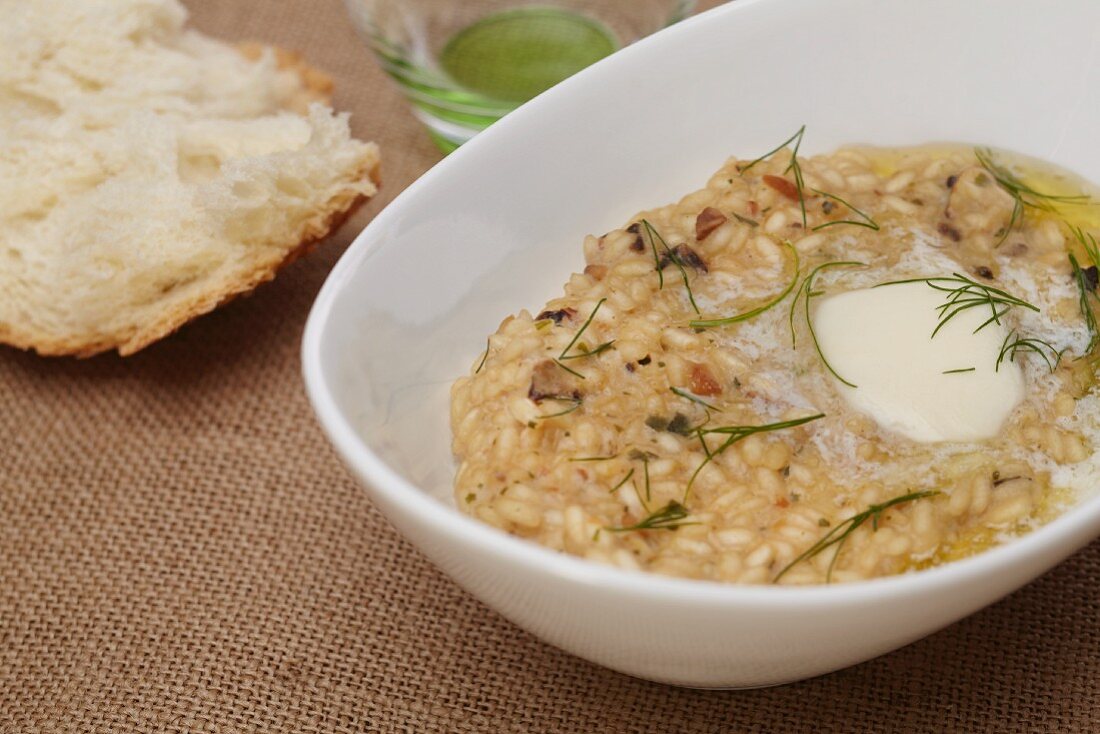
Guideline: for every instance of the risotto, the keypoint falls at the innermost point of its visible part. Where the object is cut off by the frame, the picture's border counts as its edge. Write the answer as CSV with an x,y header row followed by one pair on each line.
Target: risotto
x,y
814,369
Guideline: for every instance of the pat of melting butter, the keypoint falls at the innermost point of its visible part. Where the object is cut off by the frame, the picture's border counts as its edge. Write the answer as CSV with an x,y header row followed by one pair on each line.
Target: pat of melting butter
x,y
880,339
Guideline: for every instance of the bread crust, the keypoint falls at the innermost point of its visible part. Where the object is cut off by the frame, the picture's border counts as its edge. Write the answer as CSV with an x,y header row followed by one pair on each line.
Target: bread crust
x,y
316,87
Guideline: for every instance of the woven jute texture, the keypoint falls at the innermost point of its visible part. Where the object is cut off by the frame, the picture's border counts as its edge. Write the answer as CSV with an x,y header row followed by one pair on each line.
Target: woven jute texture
x,y
180,551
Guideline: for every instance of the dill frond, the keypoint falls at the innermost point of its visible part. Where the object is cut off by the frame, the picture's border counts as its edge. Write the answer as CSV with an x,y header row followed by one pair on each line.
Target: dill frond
x,y
1086,291
576,403
864,221
752,313
963,294
693,398
580,331
1014,343
654,237
793,166
669,517
839,534
733,434
1023,196
624,480
806,292
484,357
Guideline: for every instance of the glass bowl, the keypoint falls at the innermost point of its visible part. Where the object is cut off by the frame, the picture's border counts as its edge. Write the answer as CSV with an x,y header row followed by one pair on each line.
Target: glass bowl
x,y
464,65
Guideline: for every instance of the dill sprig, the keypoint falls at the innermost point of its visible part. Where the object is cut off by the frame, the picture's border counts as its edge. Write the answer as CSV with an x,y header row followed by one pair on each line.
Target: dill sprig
x,y
864,221
594,458
733,434
737,433
959,371
752,313
560,360
580,332
807,289
645,473
623,481
963,294
654,237
793,166
1088,241
600,349
1014,343
576,403
1084,303
669,517
693,398
486,356
1023,196
568,369
797,136
656,256
839,534
1085,289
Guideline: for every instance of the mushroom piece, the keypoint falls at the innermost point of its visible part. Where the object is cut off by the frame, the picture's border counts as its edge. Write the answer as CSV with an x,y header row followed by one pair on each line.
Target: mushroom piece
x,y
949,232
708,220
550,381
557,315
686,257
703,381
782,185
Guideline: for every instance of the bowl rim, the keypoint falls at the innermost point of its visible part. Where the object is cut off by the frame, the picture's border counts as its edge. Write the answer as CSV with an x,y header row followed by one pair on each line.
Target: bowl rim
x,y
1082,517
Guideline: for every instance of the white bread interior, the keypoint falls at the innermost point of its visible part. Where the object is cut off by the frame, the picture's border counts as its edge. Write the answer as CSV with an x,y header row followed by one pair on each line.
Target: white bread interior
x,y
149,173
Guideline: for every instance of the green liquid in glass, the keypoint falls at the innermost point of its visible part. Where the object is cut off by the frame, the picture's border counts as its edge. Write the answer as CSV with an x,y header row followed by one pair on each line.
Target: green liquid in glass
x,y
516,54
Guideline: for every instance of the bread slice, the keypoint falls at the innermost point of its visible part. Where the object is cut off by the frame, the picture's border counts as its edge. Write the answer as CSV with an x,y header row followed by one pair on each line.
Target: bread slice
x,y
149,173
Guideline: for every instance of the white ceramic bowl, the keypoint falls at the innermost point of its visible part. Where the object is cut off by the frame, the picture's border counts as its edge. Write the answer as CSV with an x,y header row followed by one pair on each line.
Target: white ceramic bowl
x,y
498,225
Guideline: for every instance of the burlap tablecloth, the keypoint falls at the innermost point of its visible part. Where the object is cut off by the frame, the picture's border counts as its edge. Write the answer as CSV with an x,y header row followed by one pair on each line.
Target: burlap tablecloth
x,y
180,551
